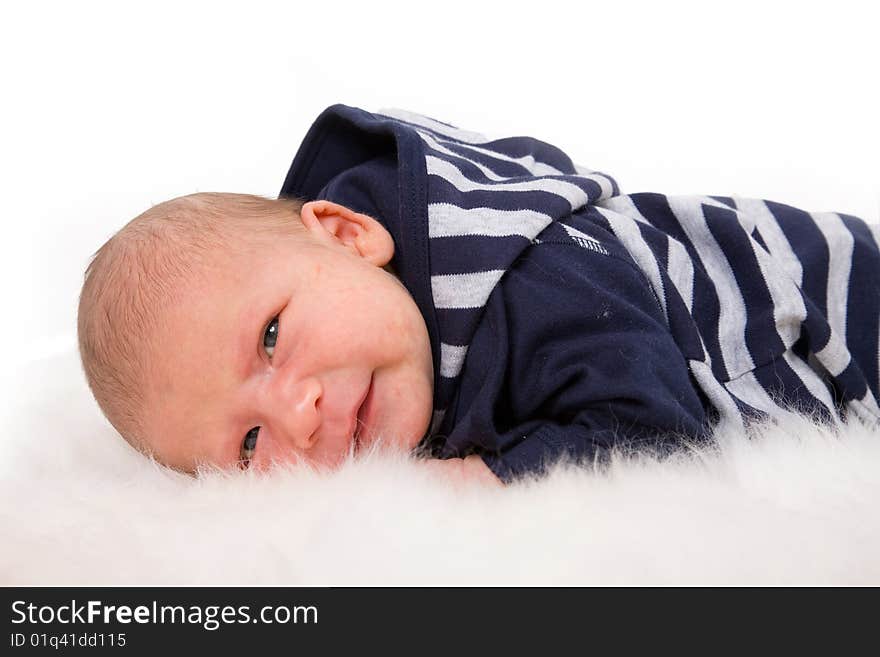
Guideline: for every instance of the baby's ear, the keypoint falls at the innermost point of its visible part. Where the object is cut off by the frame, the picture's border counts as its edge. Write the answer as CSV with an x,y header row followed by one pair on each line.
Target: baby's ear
x,y
358,232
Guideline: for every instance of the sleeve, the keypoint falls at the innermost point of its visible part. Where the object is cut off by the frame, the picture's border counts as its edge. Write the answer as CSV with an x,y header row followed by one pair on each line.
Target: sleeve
x,y
591,364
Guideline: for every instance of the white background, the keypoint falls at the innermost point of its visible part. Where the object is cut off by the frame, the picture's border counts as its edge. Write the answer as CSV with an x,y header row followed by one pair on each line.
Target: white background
x,y
110,107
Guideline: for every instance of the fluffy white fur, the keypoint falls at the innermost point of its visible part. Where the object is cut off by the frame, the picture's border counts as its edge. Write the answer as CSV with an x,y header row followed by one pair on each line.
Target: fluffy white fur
x,y
792,505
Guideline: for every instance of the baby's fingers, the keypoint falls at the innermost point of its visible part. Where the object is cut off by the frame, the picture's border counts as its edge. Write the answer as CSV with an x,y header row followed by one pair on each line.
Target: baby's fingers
x,y
459,471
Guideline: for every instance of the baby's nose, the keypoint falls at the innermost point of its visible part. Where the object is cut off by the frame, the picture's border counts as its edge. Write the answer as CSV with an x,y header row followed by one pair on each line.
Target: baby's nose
x,y
295,411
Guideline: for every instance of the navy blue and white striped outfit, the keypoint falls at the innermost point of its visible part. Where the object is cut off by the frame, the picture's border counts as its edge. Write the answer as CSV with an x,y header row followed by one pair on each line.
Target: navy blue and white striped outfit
x,y
565,317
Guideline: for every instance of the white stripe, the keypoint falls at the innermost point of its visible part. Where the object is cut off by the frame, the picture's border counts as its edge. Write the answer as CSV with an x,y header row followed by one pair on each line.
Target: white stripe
x,y
840,250
603,180
749,389
575,196
680,268
773,236
451,359
628,233
464,290
436,126
527,162
732,316
435,145
776,268
447,220
625,206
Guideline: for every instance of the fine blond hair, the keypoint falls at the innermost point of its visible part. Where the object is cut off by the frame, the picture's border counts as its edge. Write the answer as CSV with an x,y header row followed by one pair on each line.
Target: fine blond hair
x,y
140,271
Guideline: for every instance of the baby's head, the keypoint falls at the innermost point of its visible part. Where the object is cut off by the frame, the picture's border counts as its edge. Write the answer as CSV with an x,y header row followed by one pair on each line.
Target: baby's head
x,y
230,329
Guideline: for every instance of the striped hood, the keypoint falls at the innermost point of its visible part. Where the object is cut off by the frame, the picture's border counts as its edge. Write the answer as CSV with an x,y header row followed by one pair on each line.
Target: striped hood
x,y
460,206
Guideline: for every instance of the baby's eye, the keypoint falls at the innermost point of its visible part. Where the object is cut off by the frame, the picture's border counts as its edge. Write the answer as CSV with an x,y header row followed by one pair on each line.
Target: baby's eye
x,y
270,337
248,445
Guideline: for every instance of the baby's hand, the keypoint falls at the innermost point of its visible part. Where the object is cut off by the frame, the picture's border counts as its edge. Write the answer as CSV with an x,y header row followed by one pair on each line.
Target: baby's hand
x,y
459,471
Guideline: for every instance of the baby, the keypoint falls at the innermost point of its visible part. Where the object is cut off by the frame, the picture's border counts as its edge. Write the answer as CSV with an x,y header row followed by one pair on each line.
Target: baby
x,y
482,301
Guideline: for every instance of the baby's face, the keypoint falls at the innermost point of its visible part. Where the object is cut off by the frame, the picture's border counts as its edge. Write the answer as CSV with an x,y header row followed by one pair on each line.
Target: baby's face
x,y
288,350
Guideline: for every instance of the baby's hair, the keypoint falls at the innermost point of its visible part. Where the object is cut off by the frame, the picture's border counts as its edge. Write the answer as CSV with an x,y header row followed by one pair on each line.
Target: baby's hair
x,y
140,270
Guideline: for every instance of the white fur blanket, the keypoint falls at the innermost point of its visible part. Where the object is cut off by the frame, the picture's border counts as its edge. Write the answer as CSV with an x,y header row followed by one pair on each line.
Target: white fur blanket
x,y
792,505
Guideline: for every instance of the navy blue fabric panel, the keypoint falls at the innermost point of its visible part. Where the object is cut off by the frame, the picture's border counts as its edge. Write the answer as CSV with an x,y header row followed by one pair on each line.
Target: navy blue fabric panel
x,y
544,444
594,354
